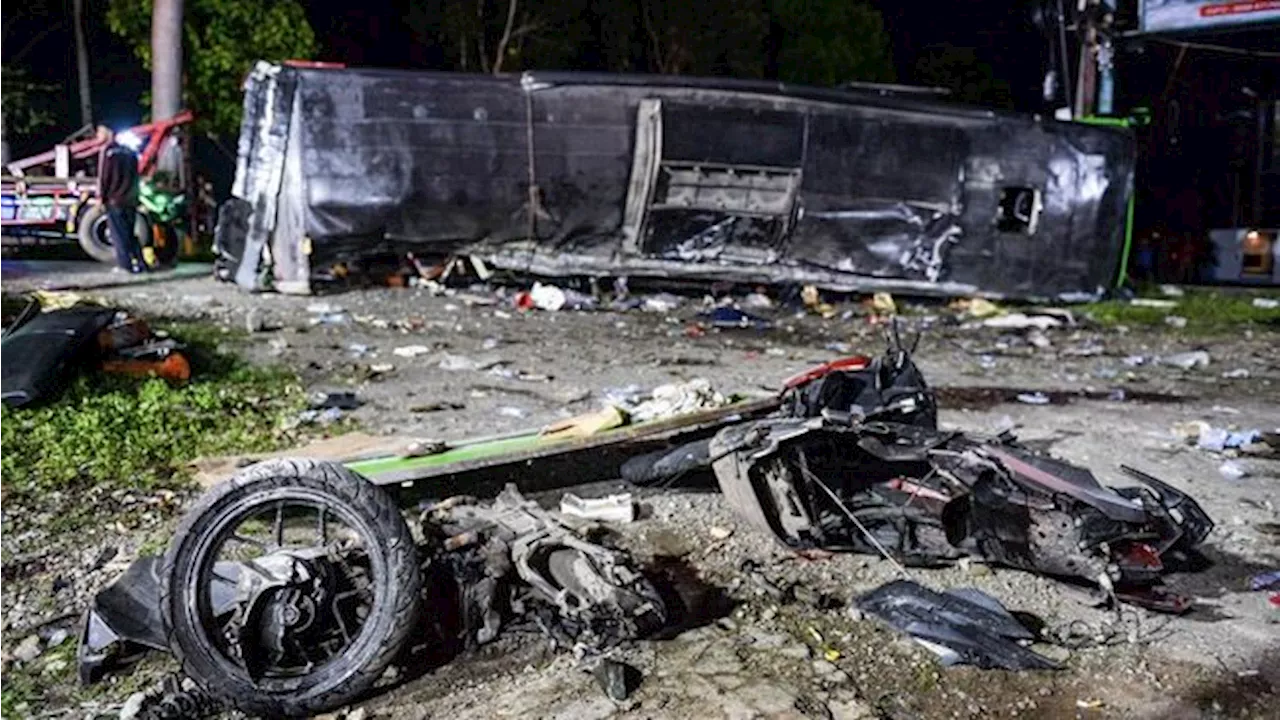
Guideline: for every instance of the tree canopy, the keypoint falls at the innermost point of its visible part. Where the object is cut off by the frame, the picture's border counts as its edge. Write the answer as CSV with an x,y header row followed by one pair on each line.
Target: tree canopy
x,y
959,70
825,42
221,39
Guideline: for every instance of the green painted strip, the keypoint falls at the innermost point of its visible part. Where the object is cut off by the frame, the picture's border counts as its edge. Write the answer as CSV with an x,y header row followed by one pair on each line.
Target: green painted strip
x,y
1123,122
458,454
1128,240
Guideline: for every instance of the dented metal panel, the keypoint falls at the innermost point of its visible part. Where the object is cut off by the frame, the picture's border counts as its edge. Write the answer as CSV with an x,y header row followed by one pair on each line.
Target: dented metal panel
x,y
587,174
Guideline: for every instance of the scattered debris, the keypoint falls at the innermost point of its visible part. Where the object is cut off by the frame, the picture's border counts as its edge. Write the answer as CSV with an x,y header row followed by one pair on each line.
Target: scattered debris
x,y
1172,291
44,350
1022,321
547,297
757,301
343,400
661,303
1237,374
606,418
677,399
720,533
730,317
1231,470
1266,303
1037,398
962,625
504,559
611,508
977,308
1175,321
883,304
1154,303
617,679
1265,581
409,351
513,412
455,363
1187,360
29,649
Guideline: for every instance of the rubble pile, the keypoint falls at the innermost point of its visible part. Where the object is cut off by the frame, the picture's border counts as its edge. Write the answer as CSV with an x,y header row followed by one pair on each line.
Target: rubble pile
x,y
849,459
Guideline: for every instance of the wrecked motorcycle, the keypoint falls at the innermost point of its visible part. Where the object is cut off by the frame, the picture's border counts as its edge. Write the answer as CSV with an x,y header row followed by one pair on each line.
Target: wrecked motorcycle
x,y
854,461
290,588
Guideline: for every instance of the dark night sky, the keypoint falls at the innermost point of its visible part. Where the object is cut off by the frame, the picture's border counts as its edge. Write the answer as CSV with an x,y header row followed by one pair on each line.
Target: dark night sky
x,y
371,33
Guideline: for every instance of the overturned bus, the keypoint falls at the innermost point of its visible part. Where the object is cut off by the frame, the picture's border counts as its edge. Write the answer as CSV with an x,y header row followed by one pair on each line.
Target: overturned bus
x,y
571,174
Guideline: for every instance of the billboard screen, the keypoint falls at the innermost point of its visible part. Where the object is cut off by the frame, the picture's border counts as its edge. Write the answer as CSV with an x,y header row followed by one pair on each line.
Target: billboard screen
x,y
1162,15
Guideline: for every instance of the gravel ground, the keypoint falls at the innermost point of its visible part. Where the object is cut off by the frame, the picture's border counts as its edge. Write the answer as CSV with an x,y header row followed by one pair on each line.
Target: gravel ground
x,y
745,656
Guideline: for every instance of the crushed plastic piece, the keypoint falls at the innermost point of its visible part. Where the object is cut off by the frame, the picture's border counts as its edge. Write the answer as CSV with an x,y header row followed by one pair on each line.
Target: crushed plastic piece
x,y
618,508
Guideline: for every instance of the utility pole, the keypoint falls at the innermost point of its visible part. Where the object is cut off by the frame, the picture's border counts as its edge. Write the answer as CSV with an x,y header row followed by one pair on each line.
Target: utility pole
x,y
166,70
82,62
1107,59
1087,70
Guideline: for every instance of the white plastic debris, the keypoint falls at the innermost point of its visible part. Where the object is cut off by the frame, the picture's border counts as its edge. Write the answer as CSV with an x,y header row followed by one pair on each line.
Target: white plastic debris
x,y
612,508
324,308
1231,470
1175,321
1172,291
1022,321
1036,398
1212,439
757,301
547,297
1039,339
409,351
455,363
512,412
1266,303
718,532
678,399
1153,303
1187,360
1237,374
662,302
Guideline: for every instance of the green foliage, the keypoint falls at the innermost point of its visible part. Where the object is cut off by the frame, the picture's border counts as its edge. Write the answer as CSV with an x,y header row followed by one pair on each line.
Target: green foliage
x,y
831,42
1205,311
221,41
825,42
141,433
959,70
26,103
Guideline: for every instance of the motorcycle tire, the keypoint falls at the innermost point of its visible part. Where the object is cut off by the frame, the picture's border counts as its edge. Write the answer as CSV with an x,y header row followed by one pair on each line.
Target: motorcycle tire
x,y
340,680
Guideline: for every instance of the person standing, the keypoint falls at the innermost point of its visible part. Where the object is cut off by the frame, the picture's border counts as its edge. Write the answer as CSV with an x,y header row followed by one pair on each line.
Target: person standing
x,y
118,190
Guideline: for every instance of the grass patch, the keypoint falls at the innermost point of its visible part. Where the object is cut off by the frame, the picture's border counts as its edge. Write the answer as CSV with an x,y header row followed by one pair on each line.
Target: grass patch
x,y
110,433
98,461
1205,310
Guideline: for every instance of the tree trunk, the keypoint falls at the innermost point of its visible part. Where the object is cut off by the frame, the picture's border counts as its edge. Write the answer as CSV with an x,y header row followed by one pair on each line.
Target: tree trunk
x,y
4,142
166,71
82,63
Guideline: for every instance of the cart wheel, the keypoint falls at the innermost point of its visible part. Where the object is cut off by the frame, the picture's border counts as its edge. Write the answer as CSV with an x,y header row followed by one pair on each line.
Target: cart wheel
x,y
95,239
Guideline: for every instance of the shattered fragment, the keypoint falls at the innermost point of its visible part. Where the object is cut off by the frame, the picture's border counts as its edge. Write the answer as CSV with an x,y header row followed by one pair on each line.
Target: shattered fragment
x,y
611,508
963,626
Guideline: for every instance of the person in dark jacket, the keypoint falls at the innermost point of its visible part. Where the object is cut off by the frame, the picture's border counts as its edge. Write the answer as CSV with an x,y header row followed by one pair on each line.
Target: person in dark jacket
x,y
118,190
